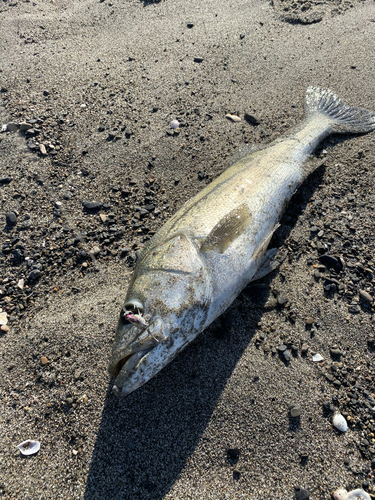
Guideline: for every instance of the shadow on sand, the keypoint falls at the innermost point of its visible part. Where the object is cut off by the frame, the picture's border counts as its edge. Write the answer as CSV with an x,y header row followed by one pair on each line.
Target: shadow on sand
x,y
145,440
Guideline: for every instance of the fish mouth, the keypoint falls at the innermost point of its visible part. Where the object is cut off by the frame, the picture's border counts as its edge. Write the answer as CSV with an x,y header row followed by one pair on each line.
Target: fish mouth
x,y
133,345
125,368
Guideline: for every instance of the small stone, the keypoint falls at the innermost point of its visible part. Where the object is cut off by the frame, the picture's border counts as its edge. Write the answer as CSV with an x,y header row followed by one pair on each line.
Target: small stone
x,y
282,300
42,149
21,284
34,275
25,126
45,92
4,328
103,217
251,119
233,118
124,252
302,494
12,127
190,25
309,320
5,180
233,453
317,358
175,124
330,261
11,219
43,360
354,309
282,348
92,205
130,445
335,353
295,412
287,356
365,296
198,59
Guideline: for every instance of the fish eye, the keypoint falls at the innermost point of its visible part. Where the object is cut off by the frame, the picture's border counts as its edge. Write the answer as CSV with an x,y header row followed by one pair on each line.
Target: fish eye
x,y
134,306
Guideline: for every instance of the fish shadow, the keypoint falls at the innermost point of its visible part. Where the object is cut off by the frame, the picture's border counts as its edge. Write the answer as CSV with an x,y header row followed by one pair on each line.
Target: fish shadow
x,y
145,440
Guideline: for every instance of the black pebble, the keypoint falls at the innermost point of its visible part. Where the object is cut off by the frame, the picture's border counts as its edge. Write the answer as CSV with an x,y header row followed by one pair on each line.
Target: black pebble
x,y
5,180
92,205
34,275
11,218
233,454
190,25
198,59
251,119
330,261
302,494
45,92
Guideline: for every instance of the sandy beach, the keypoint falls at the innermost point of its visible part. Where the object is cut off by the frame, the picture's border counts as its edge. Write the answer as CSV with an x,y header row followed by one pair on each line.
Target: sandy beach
x,y
97,83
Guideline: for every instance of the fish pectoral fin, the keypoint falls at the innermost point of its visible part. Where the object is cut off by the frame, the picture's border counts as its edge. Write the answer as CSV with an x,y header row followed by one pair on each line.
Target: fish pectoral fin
x,y
266,265
228,229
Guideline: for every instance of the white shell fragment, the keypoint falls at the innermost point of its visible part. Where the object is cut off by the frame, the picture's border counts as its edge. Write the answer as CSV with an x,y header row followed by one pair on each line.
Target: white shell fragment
x,y
29,447
317,357
233,118
340,423
358,494
3,318
340,494
4,128
175,124
21,283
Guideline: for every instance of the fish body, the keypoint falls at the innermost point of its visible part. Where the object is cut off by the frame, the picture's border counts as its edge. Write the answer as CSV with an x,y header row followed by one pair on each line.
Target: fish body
x,y
199,261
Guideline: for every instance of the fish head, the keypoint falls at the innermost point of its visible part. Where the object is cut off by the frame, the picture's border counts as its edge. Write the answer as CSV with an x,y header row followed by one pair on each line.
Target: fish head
x,y
165,308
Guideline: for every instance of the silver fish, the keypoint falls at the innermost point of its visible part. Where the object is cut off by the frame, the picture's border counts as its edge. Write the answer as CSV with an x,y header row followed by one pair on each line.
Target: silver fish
x,y
199,261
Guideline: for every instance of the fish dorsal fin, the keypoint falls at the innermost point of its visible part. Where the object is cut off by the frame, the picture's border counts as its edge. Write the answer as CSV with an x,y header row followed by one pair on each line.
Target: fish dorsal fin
x,y
228,229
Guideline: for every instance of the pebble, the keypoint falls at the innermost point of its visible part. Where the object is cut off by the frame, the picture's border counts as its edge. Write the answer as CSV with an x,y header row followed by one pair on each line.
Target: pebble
x,y
198,59
43,360
340,494
103,217
25,126
317,358
282,300
3,318
92,205
190,25
4,328
365,296
287,356
130,445
309,320
295,412
175,124
12,127
354,309
11,219
282,348
251,119
42,149
329,261
302,494
233,454
339,422
233,118
5,180
304,349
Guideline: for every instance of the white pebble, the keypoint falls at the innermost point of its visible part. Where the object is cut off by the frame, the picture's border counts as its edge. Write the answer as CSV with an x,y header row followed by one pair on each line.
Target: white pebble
x,y
21,283
233,118
175,124
4,128
340,423
358,494
3,318
317,357
340,494
29,447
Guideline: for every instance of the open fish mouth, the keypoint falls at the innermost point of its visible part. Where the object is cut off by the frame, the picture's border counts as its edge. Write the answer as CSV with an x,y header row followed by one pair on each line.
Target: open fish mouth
x,y
125,369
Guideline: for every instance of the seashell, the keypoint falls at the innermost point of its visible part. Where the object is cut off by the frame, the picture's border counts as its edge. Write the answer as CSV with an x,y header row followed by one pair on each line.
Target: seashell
x,y
340,494
358,494
29,447
175,124
339,422
233,118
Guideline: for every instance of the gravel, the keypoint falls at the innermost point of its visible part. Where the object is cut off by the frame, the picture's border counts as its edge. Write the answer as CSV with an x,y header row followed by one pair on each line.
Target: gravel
x,y
79,73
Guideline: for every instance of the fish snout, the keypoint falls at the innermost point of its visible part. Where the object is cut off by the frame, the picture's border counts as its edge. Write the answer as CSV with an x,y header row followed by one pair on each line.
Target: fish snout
x,y
133,343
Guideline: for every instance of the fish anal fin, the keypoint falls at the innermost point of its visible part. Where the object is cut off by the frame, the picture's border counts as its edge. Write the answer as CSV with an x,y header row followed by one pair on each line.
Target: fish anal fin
x,y
228,229
266,264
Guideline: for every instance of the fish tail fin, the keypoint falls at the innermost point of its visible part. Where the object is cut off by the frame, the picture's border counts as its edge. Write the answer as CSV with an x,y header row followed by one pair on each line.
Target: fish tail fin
x,y
344,118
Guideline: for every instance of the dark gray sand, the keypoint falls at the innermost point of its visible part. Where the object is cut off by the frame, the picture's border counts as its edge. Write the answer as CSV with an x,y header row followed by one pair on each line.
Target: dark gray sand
x,y
99,82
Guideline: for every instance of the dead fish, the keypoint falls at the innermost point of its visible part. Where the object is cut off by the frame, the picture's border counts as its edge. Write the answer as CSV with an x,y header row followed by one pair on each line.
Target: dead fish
x,y
195,266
